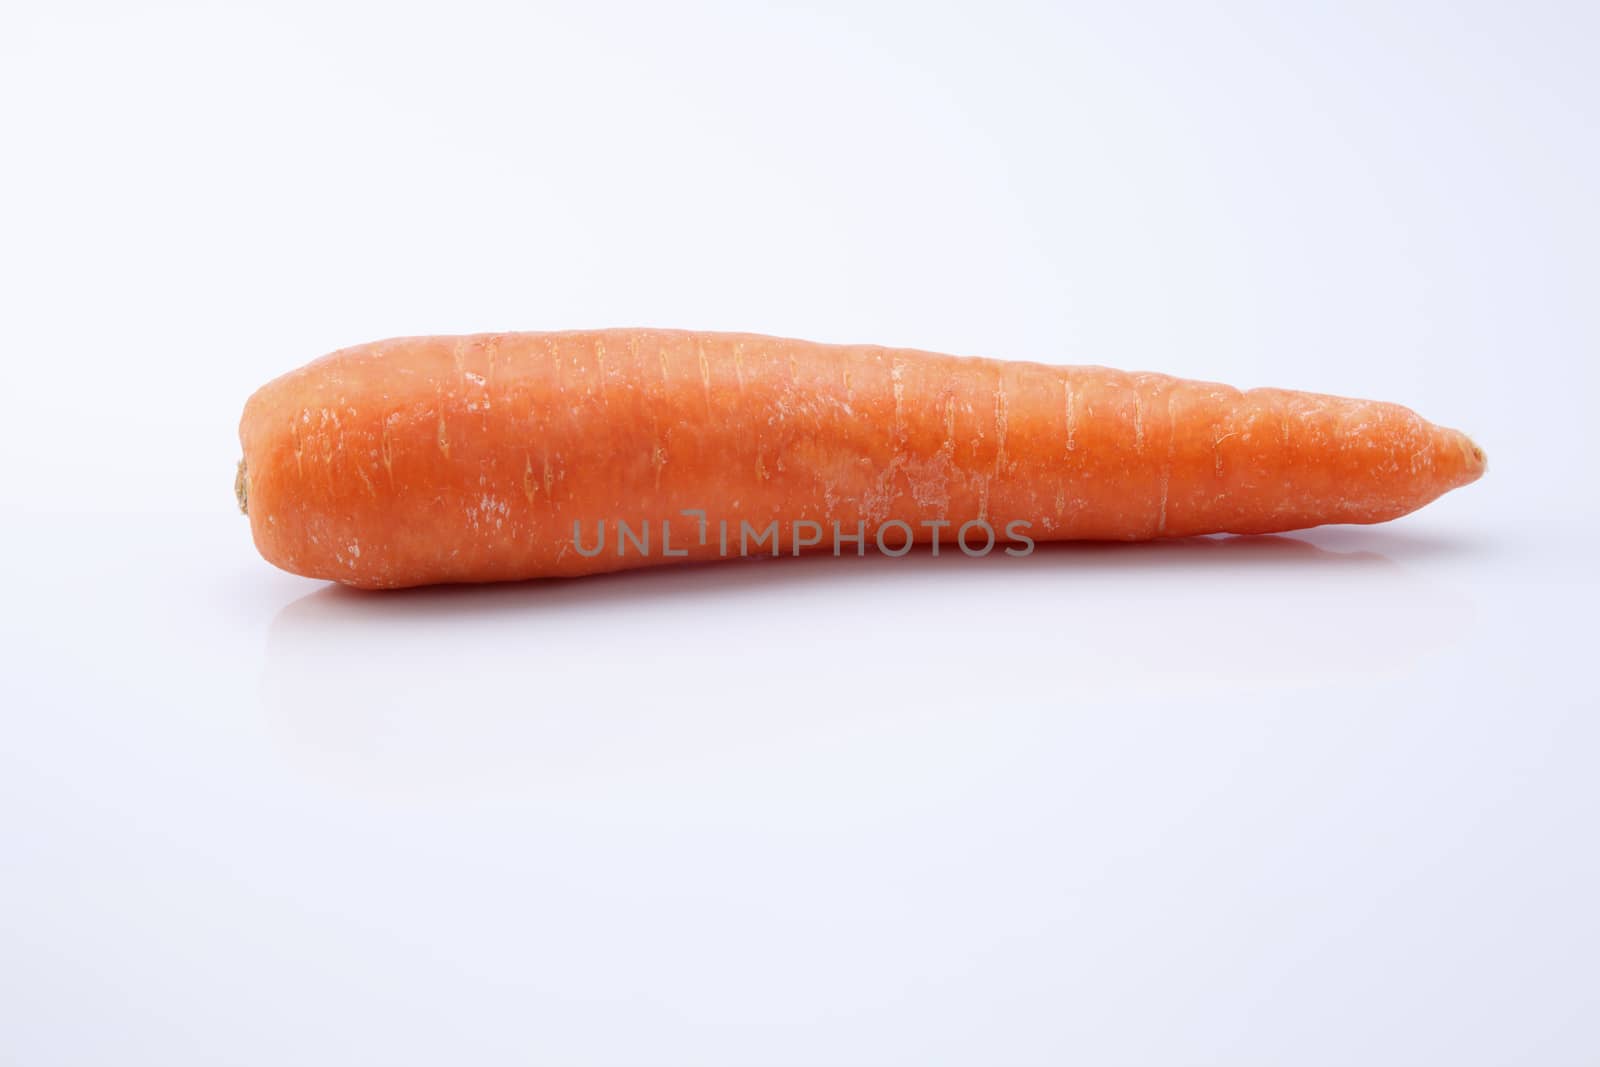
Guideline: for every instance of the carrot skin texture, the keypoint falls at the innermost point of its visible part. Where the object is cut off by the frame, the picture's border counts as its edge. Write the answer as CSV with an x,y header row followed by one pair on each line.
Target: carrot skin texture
x,y
423,460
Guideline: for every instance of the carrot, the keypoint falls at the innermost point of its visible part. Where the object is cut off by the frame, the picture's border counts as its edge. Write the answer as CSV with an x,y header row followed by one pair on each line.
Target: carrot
x,y
524,455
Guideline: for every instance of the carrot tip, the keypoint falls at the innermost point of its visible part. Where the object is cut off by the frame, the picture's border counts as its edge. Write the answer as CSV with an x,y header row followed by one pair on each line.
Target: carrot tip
x,y
241,488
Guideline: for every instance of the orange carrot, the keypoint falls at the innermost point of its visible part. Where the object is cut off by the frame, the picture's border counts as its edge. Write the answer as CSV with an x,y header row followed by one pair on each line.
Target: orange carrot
x,y
524,455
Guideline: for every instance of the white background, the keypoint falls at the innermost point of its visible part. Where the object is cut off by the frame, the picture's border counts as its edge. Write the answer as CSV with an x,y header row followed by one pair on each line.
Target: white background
x,y
1326,799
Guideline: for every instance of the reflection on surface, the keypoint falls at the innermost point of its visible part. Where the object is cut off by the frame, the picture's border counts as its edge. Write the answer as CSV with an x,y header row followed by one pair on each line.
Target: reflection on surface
x,y
644,674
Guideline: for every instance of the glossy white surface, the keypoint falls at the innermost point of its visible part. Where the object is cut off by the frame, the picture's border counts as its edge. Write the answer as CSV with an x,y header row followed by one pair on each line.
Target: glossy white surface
x,y
1320,799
